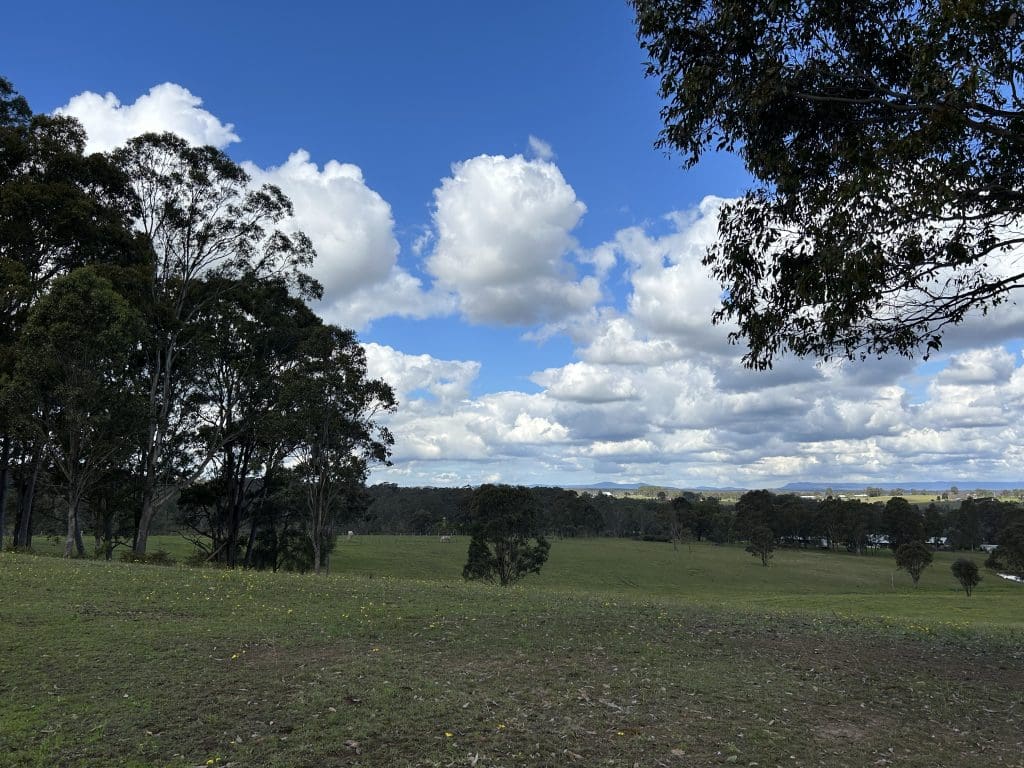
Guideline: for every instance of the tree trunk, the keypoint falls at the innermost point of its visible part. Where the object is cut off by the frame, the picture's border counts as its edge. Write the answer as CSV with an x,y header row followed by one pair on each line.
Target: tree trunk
x,y
69,539
23,536
5,463
97,539
147,514
79,542
108,531
250,544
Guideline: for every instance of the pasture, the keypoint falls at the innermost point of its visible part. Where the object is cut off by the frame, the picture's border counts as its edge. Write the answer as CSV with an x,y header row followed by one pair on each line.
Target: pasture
x,y
618,653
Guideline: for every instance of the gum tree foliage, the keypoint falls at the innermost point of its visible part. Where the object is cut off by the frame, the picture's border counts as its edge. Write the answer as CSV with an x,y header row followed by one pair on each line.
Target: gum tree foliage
x,y
333,407
505,543
934,522
1009,555
702,516
674,517
829,520
255,333
753,510
225,379
913,557
202,221
966,572
979,521
886,140
73,366
789,516
902,522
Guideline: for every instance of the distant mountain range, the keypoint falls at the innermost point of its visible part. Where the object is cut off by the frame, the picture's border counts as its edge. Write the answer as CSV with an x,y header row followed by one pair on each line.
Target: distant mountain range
x,y
607,486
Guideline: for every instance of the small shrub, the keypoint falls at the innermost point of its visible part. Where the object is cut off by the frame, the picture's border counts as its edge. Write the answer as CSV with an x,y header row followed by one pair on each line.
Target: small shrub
x,y
762,543
913,557
966,572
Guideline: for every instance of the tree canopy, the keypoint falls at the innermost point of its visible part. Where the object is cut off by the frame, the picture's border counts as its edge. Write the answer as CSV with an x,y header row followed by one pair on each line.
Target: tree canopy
x,y
886,143
158,355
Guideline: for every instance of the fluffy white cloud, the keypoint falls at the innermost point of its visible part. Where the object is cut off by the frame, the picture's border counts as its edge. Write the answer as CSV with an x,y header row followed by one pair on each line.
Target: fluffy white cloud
x,y
350,224
399,294
503,237
446,380
166,107
616,341
673,296
586,383
352,229
536,430
680,427
993,365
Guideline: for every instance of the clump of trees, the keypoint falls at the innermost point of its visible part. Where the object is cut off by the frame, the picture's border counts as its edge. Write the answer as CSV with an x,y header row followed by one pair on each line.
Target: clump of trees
x,y
1009,555
158,355
505,543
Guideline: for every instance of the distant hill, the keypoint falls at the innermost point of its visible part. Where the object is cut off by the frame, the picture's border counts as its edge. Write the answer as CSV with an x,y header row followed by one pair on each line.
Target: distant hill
x,y
963,485
605,486
609,486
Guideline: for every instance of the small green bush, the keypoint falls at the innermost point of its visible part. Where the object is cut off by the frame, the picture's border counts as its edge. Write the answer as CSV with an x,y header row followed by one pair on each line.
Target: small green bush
x,y
966,572
913,557
762,543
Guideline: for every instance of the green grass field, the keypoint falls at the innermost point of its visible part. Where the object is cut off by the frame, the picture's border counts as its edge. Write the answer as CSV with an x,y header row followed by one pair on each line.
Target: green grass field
x,y
619,653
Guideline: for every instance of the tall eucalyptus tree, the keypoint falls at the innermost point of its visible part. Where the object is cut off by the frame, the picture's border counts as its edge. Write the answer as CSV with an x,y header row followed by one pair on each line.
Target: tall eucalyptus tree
x,y
205,224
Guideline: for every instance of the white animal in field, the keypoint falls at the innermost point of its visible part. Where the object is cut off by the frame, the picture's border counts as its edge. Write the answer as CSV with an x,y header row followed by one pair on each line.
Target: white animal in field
x,y
351,534
445,537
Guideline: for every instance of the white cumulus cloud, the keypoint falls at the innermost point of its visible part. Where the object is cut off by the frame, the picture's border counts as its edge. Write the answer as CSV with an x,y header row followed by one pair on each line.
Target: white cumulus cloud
x,y
446,380
350,224
166,107
585,382
503,237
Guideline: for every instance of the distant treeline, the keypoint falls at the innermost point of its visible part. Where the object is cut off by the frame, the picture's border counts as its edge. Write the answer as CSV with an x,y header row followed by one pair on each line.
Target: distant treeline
x,y
833,523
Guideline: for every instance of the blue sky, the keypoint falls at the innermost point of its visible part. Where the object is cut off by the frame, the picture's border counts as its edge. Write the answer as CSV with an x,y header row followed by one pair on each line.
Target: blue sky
x,y
491,215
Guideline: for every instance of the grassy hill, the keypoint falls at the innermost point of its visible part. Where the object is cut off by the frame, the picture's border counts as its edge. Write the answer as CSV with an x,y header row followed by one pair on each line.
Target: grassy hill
x,y
619,653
